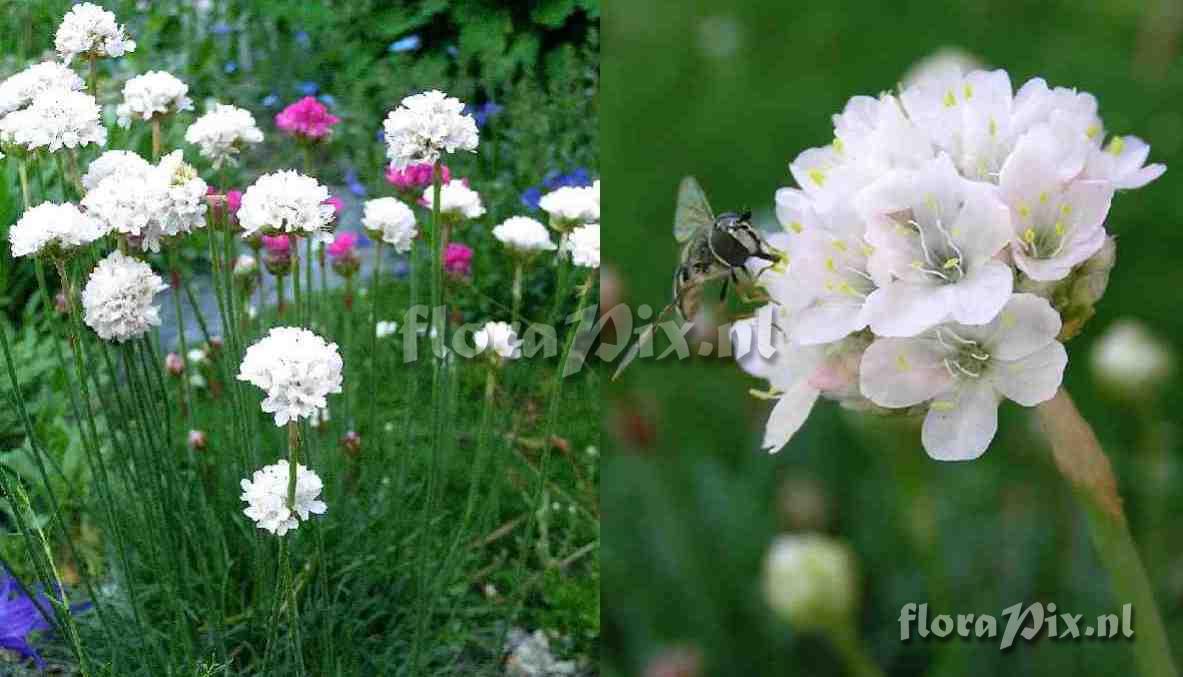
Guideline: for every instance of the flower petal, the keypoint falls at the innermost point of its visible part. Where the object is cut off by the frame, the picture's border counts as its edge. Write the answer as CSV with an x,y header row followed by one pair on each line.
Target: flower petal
x,y
1026,324
899,372
905,309
789,414
961,424
1032,379
978,298
827,321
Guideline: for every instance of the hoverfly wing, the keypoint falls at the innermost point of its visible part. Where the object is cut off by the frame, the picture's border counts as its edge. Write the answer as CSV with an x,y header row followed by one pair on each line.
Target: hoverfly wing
x,y
643,340
693,212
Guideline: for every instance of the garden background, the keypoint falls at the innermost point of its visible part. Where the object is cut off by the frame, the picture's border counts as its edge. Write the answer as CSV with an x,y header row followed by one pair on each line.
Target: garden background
x,y
530,76
731,94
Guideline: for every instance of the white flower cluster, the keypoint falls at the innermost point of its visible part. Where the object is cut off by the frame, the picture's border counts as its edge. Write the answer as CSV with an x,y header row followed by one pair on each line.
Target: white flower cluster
x,y
425,126
524,235
908,239
457,200
572,205
57,118
144,202
286,202
296,368
499,340
155,93
117,298
50,225
583,244
221,133
19,90
390,220
266,495
90,29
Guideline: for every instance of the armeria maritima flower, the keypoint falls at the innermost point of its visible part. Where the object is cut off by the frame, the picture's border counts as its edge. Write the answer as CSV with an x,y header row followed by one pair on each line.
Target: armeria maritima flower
x,y
427,125
54,229
88,29
266,495
222,132
152,94
118,298
296,368
391,221
286,202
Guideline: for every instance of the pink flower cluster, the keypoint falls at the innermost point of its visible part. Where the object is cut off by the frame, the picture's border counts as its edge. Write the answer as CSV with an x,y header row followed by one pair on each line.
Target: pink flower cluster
x,y
414,178
457,259
307,118
343,244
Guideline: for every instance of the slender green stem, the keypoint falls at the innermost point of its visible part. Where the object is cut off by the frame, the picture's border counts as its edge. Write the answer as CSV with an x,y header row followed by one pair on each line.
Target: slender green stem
x,y
373,376
1080,459
183,341
155,138
308,280
297,299
854,655
23,170
293,460
92,84
519,266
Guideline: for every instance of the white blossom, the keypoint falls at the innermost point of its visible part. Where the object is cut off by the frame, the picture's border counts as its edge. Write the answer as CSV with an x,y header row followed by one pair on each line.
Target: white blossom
x,y
499,339
19,90
457,200
286,202
584,246
90,29
222,132
1123,163
966,371
149,203
427,125
152,94
524,235
296,368
113,162
118,297
571,205
266,495
55,226
390,220
811,581
57,118
1131,360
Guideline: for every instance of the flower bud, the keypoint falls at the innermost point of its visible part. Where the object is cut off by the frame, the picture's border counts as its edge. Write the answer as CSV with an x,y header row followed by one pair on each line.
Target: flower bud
x,y
197,440
1129,360
351,443
810,581
174,364
277,254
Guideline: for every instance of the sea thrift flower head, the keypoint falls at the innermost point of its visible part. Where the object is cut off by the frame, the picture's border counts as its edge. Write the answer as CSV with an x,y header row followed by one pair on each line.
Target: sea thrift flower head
x,y
19,90
147,203
88,29
584,246
524,236
197,440
425,126
152,94
343,252
307,119
222,133
414,178
53,230
113,162
390,220
457,201
118,297
174,364
296,368
266,495
286,202
57,118
811,582
498,340
570,206
457,259
1130,361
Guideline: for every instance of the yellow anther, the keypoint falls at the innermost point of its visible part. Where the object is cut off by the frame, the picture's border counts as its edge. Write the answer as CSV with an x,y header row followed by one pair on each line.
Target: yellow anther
x,y
950,100
1029,236
817,176
1008,319
1116,145
770,394
901,362
845,288
1043,197
1024,210
838,145
1092,131
1065,209
969,91
942,405
830,265
796,227
840,245
868,250
1060,229
952,263
993,127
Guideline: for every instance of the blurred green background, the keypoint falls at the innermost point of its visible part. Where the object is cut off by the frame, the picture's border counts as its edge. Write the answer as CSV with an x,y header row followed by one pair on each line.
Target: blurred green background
x,y
731,93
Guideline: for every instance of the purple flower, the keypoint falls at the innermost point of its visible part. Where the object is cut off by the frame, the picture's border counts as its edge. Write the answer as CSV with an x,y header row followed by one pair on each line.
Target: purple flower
x,y
355,185
482,113
554,180
308,88
20,616
303,39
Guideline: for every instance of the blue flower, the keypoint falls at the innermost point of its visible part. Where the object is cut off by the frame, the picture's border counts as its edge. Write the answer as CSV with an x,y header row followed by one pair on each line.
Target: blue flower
x,y
401,268
452,51
220,28
303,39
328,100
485,111
407,44
355,186
19,616
271,100
308,87
230,67
554,180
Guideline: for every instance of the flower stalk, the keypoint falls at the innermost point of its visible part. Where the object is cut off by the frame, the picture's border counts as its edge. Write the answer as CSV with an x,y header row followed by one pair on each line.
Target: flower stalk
x,y
1079,458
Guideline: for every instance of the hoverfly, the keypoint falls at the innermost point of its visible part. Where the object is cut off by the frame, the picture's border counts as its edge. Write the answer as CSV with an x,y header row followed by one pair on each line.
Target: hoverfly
x,y
713,248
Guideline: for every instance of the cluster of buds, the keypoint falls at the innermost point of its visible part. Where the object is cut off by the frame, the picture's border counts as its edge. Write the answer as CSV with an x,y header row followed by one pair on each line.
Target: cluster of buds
x,y
277,254
343,254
